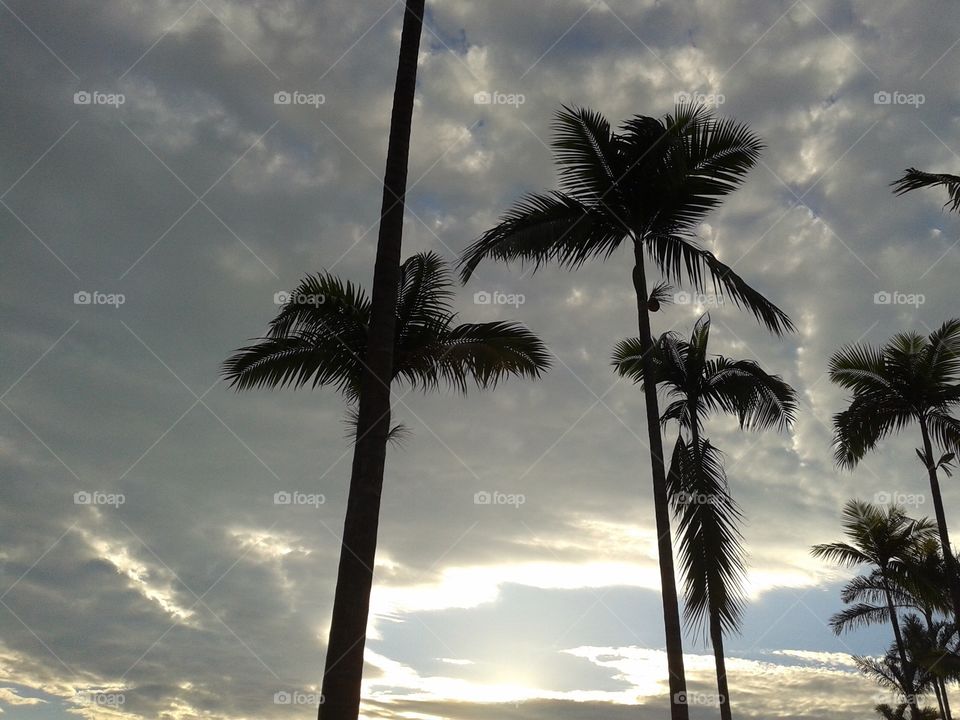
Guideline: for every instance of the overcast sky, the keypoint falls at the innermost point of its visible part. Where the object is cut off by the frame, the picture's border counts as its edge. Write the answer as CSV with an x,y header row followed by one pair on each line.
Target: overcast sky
x,y
177,196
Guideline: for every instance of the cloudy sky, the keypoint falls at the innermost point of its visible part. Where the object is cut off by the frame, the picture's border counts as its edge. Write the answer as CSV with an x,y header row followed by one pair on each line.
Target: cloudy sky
x,y
147,166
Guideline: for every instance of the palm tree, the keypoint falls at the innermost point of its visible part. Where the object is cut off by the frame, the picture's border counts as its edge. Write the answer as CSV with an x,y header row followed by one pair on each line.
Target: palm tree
x,y
882,538
710,550
910,379
888,712
914,179
648,186
343,668
321,337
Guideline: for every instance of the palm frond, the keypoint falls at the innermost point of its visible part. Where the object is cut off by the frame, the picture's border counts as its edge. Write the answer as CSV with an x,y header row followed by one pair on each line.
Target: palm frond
x,y
584,150
481,353
547,227
914,179
712,557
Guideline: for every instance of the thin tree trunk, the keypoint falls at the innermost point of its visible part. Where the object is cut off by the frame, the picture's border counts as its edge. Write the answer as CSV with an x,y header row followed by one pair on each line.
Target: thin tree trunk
x,y
936,691
946,700
343,671
898,637
723,690
661,505
949,559
716,629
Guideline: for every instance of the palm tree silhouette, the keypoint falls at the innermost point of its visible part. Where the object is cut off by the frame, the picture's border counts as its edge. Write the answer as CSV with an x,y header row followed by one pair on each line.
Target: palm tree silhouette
x,y
910,379
882,538
649,186
914,179
711,553
343,667
322,335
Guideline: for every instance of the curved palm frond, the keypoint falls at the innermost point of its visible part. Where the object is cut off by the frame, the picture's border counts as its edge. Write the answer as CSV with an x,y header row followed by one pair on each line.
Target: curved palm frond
x,y
914,179
584,149
545,227
712,557
322,303
425,293
858,616
297,360
482,353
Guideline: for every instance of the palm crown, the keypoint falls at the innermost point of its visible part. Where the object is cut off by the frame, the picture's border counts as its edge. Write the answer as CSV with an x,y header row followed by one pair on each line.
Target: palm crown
x,y
911,378
881,536
653,182
320,338
698,384
914,179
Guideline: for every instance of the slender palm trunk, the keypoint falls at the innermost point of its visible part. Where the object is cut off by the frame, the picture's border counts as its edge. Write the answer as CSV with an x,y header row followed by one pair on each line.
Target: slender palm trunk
x,y
661,505
716,629
898,637
343,671
936,691
716,639
949,559
940,688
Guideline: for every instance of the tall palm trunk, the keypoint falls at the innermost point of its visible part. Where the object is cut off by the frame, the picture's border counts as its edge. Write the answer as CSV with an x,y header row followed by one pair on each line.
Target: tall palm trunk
x,y
949,559
898,638
343,671
940,688
716,639
716,629
661,504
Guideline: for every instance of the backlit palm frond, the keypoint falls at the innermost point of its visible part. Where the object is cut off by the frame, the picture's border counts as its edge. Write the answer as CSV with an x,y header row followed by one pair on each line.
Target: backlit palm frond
x,y
584,149
481,353
914,179
547,227
322,303
712,557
